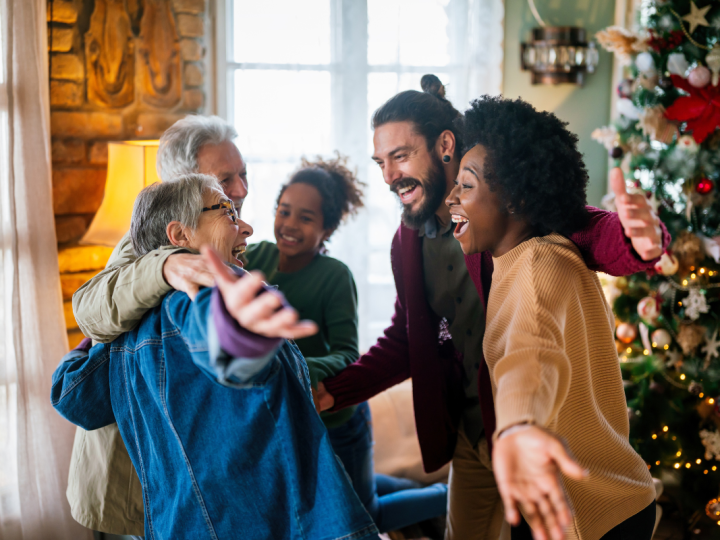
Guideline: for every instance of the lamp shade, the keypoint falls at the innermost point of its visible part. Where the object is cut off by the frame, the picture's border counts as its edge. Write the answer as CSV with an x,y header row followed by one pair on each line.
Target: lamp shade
x,y
131,167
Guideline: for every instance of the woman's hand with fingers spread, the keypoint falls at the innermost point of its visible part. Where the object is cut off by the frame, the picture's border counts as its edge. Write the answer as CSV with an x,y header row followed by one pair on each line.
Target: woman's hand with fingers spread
x,y
527,465
264,314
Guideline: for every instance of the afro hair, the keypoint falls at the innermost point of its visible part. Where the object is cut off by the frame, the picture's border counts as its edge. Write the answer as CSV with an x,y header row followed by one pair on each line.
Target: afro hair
x,y
532,162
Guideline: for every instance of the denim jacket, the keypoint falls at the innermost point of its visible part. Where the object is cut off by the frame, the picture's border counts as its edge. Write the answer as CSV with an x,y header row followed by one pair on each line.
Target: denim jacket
x,y
225,446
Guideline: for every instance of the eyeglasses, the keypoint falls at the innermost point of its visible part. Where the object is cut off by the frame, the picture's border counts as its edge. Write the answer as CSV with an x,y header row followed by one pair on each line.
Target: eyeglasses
x,y
227,205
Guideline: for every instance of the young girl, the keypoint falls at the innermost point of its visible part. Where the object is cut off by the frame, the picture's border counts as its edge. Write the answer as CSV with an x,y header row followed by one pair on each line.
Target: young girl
x,y
310,208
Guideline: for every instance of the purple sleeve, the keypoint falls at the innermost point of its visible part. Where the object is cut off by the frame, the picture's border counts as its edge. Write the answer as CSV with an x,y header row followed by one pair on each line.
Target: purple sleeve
x,y
605,247
236,341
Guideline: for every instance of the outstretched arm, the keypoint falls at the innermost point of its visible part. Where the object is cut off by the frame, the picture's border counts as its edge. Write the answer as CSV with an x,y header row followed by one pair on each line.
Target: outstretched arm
x,y
623,242
115,300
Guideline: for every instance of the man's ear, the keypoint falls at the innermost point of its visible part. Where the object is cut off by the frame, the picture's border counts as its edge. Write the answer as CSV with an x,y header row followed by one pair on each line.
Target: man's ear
x,y
445,145
178,234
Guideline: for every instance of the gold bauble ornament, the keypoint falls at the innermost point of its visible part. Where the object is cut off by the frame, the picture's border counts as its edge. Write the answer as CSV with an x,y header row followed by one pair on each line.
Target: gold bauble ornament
x,y
661,338
712,510
626,332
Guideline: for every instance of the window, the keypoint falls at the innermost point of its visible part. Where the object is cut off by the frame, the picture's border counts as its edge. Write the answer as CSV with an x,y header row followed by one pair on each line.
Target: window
x,y
303,79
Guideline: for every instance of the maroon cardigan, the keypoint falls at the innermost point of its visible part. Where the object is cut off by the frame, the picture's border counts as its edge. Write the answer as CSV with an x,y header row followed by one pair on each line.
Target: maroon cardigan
x,y
411,346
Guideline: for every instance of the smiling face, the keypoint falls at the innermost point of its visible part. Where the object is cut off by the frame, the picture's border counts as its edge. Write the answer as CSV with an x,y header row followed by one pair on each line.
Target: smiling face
x,y
413,172
299,221
482,220
224,162
220,229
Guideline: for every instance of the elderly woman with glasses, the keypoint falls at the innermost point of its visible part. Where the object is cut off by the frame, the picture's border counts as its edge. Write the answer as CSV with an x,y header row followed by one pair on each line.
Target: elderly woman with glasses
x,y
214,406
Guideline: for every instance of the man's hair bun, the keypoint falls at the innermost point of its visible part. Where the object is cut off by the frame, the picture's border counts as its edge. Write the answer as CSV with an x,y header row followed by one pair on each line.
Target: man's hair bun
x,y
430,84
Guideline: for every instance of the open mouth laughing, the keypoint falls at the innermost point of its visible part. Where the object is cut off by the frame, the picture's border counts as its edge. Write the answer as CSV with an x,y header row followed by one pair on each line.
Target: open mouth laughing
x,y
461,224
407,190
238,251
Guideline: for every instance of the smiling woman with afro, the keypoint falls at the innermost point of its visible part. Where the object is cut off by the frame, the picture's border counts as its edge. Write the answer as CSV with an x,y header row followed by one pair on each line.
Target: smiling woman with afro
x,y
532,162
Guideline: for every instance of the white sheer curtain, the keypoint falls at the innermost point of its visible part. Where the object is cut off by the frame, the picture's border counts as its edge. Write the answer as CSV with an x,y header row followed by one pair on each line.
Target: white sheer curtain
x,y
35,443
314,91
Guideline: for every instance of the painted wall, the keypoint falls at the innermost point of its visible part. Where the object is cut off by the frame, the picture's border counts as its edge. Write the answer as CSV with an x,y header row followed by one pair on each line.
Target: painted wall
x,y
584,108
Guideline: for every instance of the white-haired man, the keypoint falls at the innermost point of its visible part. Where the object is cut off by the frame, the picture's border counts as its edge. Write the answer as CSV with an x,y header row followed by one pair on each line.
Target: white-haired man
x,y
104,491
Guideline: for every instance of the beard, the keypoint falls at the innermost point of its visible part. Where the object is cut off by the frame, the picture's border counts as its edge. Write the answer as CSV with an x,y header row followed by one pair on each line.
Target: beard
x,y
434,184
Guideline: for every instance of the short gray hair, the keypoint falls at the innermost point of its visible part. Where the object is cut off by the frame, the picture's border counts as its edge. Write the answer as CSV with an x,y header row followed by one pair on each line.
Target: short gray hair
x,y
157,205
181,142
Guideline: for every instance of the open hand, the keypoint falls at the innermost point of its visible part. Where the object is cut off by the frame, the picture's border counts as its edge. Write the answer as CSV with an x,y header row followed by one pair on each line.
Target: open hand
x,y
187,273
263,314
638,219
527,465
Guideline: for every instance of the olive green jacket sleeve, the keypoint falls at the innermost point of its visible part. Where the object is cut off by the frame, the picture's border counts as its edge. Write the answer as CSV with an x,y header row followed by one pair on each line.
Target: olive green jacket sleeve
x,y
114,301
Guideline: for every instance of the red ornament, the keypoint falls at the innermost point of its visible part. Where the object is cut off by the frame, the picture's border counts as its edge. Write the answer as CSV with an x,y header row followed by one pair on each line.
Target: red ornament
x,y
701,109
704,186
665,44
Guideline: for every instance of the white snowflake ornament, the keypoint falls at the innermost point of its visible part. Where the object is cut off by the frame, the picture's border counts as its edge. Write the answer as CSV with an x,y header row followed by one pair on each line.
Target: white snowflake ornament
x,y
695,304
712,344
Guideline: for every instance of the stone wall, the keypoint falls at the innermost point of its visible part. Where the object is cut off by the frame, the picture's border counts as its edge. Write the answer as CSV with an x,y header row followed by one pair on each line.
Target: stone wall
x,y
119,70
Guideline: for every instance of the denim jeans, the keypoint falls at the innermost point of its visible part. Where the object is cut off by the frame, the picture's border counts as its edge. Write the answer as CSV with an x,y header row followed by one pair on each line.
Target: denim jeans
x,y
393,503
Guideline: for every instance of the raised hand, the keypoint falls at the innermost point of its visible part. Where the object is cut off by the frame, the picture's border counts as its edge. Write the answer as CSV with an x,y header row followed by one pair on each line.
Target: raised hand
x,y
187,273
638,219
527,465
263,314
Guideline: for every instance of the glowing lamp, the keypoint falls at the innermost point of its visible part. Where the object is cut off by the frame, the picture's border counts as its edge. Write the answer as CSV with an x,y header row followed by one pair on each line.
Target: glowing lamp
x,y
131,167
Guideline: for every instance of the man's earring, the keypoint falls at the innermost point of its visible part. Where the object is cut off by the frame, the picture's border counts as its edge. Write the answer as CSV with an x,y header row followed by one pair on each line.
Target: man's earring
x,y
446,158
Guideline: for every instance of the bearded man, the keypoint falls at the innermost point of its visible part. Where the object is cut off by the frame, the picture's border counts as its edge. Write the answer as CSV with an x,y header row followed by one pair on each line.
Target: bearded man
x,y
436,334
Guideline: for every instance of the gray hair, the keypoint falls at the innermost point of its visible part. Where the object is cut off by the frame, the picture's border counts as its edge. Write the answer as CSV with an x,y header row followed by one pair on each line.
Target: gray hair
x,y
157,205
181,142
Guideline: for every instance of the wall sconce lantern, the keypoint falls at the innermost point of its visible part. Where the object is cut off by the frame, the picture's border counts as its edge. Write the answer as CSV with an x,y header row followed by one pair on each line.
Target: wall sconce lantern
x,y
131,167
558,54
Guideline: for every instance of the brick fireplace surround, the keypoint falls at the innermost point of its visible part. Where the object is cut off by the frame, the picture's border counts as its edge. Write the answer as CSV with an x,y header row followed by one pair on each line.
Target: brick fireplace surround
x,y
119,70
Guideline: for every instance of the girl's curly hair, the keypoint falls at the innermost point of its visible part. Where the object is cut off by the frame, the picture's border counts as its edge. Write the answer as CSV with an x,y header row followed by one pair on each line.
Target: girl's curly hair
x,y
532,162
339,187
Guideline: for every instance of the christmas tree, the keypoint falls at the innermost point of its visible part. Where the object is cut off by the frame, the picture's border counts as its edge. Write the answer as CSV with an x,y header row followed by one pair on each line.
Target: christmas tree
x,y
668,322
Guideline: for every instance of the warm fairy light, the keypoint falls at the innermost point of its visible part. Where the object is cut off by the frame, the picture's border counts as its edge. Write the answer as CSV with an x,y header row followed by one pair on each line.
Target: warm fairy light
x,y
685,281
629,350
649,466
714,468
657,463
682,377
679,453
646,352
666,347
702,270
692,276
687,465
665,429
674,438
701,395
698,461
710,273
705,471
654,344
677,465
654,436
679,303
711,401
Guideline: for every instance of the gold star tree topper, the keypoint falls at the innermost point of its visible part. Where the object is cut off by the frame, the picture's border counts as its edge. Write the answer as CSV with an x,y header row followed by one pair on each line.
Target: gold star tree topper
x,y
696,17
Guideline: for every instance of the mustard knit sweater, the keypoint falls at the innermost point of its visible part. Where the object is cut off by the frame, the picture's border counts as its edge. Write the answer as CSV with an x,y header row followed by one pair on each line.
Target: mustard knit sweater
x,y
550,349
